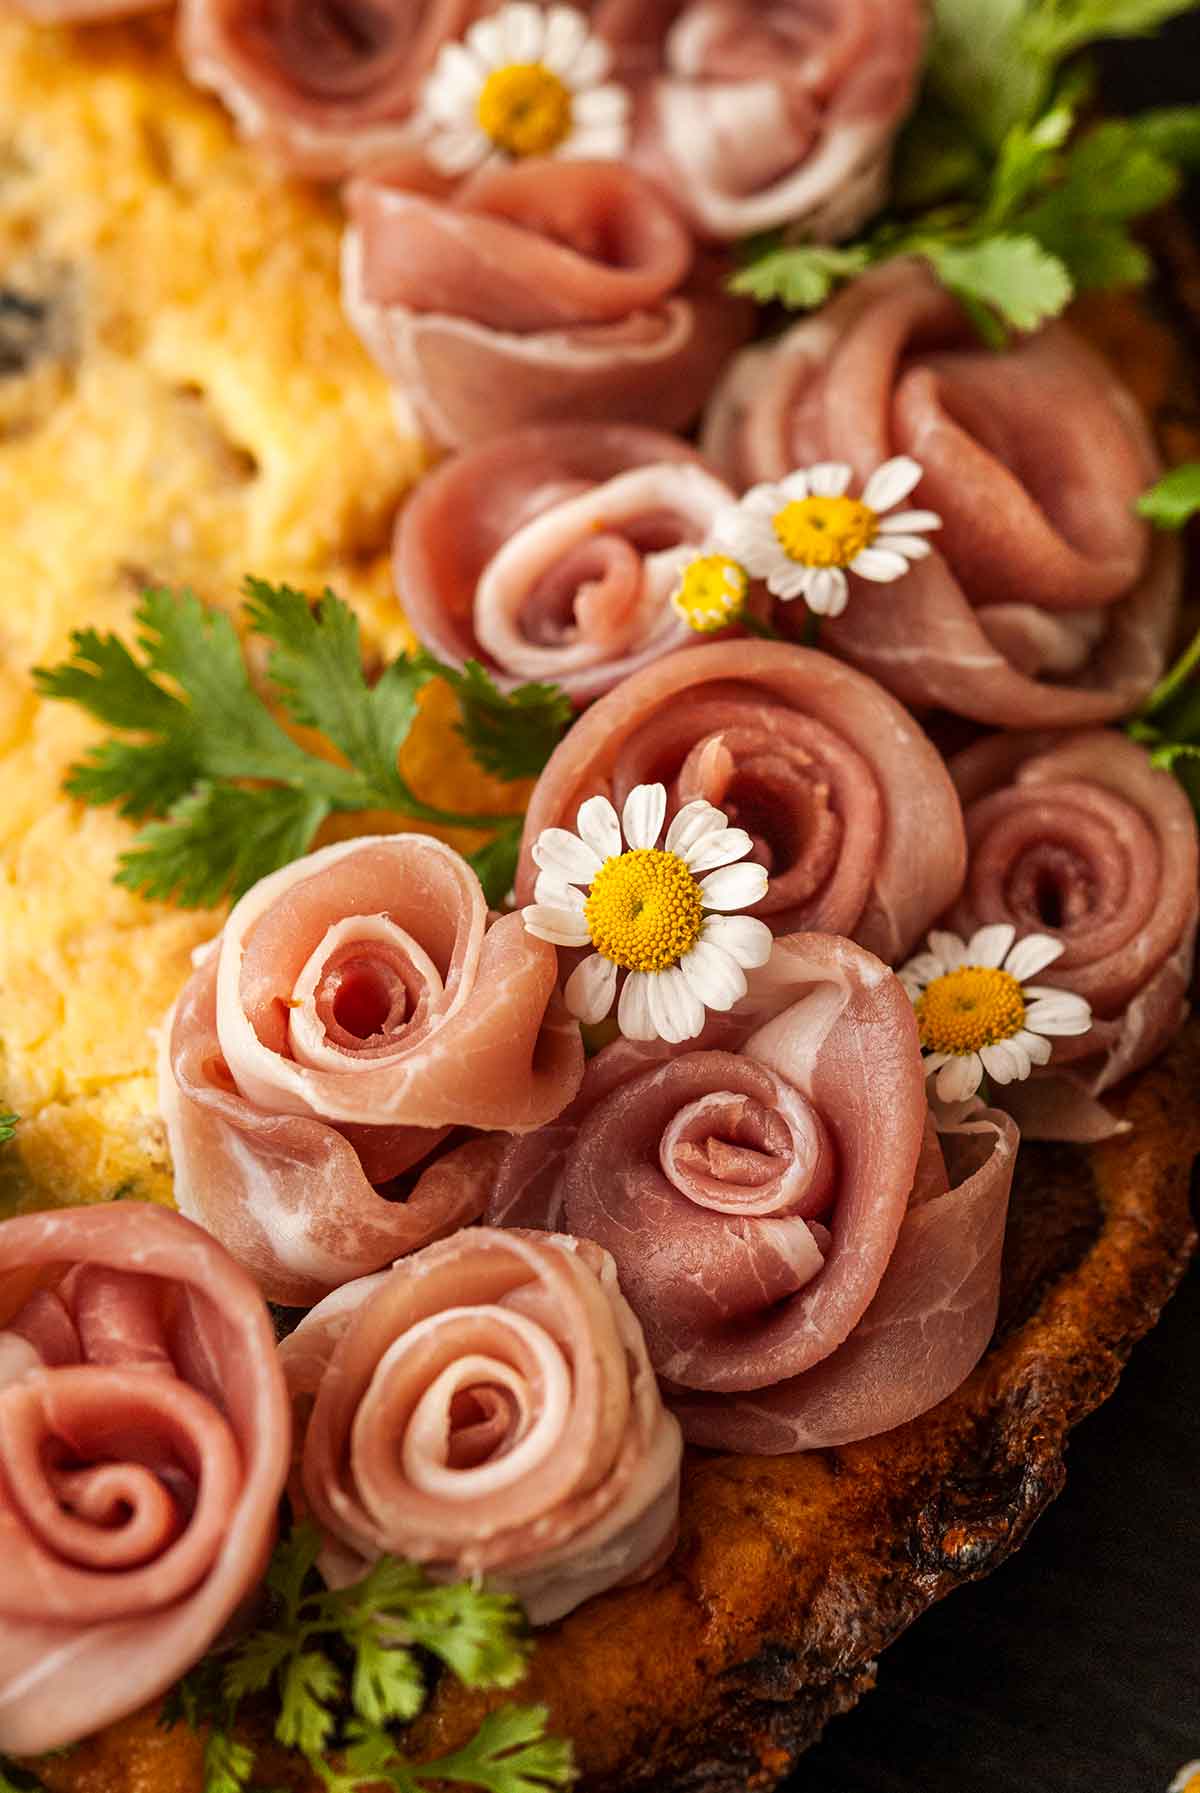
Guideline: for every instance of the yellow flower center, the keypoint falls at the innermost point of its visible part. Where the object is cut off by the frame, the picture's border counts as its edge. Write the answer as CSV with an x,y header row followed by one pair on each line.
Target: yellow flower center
x,y
713,593
825,532
525,109
973,1007
644,911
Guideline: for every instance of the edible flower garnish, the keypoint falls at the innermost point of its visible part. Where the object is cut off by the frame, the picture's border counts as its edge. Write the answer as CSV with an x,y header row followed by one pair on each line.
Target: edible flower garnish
x,y
648,912
529,81
977,1016
805,534
712,592
1187,1780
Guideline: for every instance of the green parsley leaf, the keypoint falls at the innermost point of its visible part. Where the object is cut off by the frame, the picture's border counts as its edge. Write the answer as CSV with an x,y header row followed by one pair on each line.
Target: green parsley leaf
x,y
1057,28
1172,132
511,734
197,1698
388,1685
1007,277
218,840
1175,499
8,1126
800,277
310,1690
495,865
228,1764
510,1753
976,68
15,1779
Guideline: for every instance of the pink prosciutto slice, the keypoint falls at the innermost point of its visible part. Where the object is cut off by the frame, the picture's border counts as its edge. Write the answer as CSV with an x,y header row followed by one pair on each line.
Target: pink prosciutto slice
x,y
1045,603
327,86
70,12
1079,837
360,1004
850,806
145,1439
538,292
807,1266
552,552
487,1408
758,113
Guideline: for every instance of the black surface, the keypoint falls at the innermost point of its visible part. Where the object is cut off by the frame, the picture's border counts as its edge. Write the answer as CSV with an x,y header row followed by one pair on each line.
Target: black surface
x,y
1076,1667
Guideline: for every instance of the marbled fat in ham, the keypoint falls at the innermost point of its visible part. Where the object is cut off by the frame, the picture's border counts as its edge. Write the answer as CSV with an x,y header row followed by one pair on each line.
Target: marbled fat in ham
x,y
1079,837
850,806
1045,602
359,1005
758,113
326,85
552,552
538,292
144,1443
811,1266
487,1408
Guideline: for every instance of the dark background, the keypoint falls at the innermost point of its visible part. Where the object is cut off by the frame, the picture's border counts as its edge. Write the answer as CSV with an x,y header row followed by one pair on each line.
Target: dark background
x,y
1075,1668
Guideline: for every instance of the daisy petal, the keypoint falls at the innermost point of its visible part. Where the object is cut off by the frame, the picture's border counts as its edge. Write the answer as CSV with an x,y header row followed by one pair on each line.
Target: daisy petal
x,y
550,889
676,1011
522,27
909,522
599,827
747,941
722,848
602,106
591,989
692,824
713,977
734,887
829,479
788,581
566,36
879,565
1068,1016
1005,1062
569,858
633,1010
457,152
559,926
795,487
960,1077
827,591
486,39
764,500
935,1060
590,66
891,482
452,89
987,946
644,813
912,547
1033,954
1034,1045
923,969
950,950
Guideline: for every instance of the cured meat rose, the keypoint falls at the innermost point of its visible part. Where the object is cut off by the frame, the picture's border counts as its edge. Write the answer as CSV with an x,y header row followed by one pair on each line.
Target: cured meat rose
x,y
552,553
144,1443
850,807
326,85
761,114
358,1006
1045,602
487,1408
1077,836
808,1267
542,291
84,12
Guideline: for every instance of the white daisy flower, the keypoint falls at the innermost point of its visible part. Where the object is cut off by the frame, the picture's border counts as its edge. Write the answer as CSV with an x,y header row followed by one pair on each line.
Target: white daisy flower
x,y
528,81
804,535
1187,1780
662,915
711,593
976,1013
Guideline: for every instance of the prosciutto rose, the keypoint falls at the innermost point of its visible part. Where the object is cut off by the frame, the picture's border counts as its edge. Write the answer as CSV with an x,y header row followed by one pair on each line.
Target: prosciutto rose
x,y
84,12
849,805
1077,836
360,1004
144,1443
553,553
538,291
756,115
1046,602
487,1408
810,1264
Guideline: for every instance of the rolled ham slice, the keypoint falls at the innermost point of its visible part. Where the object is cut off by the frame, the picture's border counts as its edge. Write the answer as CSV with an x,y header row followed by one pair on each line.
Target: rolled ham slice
x,y
487,1408
849,805
538,292
1046,602
327,86
552,553
1079,837
83,12
145,1438
757,115
811,1266
359,1004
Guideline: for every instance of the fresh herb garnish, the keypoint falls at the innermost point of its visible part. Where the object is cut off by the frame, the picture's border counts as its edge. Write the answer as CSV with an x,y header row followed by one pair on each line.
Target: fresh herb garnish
x,y
1014,209
1168,722
341,1665
1175,499
225,792
8,1126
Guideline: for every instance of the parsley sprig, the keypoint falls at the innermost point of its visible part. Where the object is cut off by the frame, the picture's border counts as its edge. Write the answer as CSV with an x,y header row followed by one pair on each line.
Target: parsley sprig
x,y
343,1665
1168,722
1014,207
8,1126
225,794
